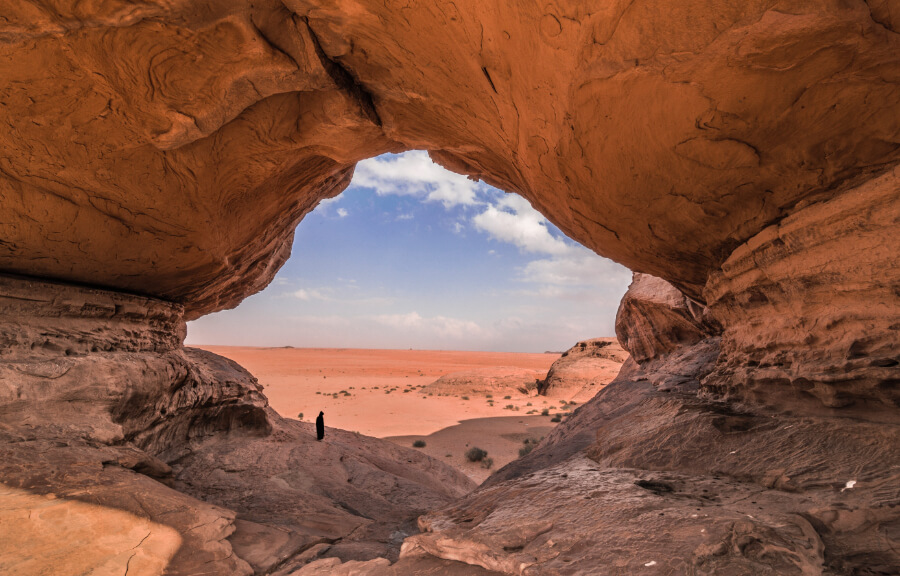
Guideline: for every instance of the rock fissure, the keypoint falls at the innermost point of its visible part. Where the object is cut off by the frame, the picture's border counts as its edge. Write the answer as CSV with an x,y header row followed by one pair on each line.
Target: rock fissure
x,y
344,78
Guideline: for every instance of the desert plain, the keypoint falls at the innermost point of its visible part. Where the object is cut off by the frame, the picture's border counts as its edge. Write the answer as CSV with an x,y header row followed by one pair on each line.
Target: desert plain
x,y
450,400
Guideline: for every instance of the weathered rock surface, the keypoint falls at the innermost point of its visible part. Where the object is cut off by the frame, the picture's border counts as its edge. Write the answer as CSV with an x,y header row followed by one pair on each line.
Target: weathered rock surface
x,y
170,148
654,479
811,308
105,419
655,318
584,369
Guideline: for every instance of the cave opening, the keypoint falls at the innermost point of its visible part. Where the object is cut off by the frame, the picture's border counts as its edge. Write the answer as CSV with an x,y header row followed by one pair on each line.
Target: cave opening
x,y
412,255
426,308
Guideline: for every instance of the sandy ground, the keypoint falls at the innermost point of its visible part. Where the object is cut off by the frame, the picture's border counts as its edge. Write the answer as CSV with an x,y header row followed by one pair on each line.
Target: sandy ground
x,y
378,393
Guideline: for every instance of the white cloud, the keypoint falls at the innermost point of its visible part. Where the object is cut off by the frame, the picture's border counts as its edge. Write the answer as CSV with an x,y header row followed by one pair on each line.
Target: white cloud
x,y
310,294
414,174
341,212
578,267
513,220
404,217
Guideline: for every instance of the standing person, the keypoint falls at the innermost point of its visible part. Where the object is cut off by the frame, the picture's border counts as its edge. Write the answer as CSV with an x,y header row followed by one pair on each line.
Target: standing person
x,y
320,426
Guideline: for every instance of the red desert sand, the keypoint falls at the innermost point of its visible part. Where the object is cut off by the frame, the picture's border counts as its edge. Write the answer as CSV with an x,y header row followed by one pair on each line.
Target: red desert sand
x,y
383,393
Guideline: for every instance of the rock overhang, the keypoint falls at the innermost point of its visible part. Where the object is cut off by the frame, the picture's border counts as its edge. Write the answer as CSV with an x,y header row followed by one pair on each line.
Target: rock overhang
x,y
171,149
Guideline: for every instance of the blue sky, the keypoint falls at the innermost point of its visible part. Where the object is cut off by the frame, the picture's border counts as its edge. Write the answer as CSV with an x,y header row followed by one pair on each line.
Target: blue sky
x,y
414,256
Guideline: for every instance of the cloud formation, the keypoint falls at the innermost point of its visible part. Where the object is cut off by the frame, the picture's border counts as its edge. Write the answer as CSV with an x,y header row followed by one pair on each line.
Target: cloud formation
x,y
414,174
511,219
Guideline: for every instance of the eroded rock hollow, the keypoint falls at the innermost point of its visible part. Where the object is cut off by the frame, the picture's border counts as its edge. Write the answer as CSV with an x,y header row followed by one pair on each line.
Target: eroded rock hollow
x,y
157,157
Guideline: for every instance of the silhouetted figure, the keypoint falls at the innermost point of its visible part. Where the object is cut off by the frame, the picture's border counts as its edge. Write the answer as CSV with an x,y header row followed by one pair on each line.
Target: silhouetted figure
x,y
320,426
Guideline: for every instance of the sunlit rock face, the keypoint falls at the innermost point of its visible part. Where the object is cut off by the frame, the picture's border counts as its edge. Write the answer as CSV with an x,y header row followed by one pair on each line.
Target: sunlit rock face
x,y
169,148
583,370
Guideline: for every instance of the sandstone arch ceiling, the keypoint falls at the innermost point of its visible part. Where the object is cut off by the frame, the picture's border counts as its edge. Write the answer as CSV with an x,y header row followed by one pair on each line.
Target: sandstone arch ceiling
x,y
170,147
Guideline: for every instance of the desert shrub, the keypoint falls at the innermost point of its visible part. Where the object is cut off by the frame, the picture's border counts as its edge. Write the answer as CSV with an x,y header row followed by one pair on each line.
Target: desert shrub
x,y
556,418
487,463
545,412
572,403
509,407
529,404
300,416
476,454
489,396
526,449
419,444
507,397
465,397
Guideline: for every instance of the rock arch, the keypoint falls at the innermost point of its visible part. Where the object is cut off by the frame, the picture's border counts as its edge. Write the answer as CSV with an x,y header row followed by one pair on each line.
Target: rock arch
x,y
745,152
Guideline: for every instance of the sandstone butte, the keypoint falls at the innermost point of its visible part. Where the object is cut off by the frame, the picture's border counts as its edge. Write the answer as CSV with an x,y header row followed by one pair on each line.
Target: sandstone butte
x,y
741,155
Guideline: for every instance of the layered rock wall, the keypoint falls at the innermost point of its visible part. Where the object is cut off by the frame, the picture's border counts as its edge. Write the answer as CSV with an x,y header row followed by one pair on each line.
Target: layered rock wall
x,y
811,306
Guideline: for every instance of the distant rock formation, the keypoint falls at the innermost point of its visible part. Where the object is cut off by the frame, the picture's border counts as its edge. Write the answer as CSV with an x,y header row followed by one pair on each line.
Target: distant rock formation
x,y
493,379
584,369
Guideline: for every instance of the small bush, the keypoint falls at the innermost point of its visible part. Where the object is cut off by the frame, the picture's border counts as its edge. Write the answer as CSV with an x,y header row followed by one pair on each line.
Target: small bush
x,y
487,463
507,397
509,407
529,404
556,418
526,449
545,412
419,444
572,403
300,416
476,454
489,396
465,397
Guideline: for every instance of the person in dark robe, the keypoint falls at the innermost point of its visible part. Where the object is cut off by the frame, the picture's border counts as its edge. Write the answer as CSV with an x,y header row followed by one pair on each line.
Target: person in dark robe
x,y
320,426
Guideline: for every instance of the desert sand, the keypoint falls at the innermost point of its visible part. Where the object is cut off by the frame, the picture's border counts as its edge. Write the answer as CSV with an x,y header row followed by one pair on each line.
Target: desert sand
x,y
386,397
